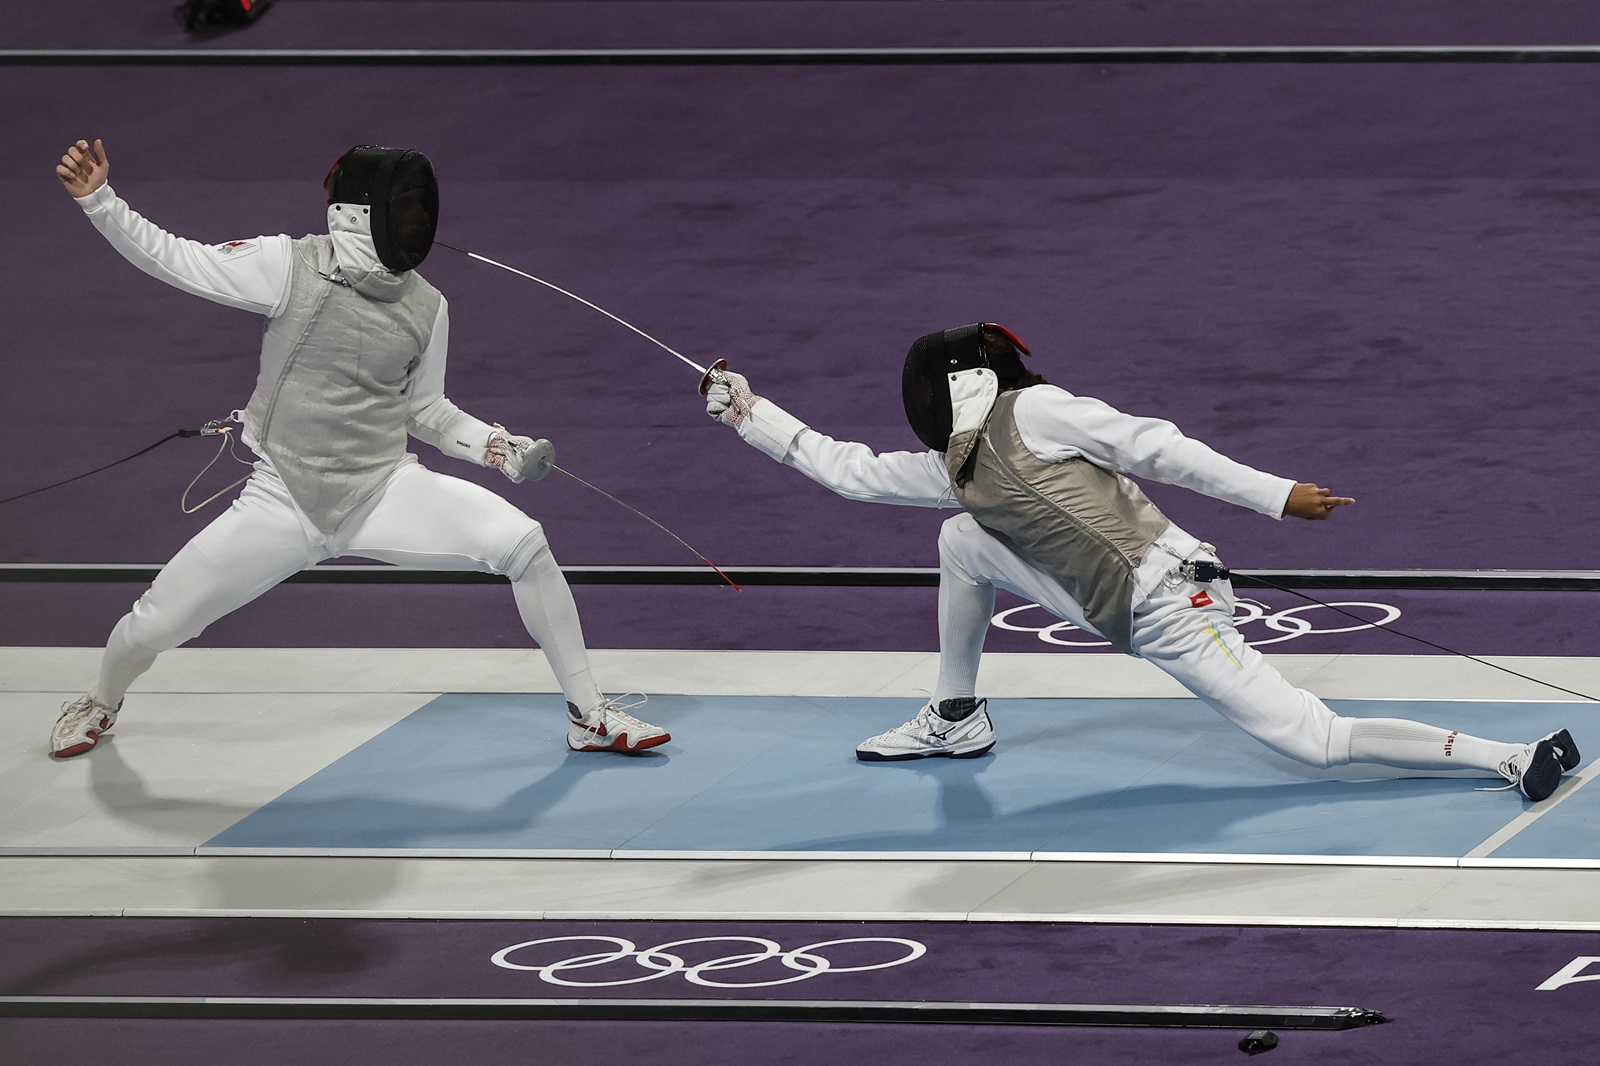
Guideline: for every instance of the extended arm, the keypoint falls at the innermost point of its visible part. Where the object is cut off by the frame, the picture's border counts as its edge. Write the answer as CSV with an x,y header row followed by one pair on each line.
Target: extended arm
x,y
252,275
1056,425
1313,501
854,471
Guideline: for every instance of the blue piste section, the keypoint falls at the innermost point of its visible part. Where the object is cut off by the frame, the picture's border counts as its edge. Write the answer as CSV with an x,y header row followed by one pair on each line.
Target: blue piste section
x,y
778,774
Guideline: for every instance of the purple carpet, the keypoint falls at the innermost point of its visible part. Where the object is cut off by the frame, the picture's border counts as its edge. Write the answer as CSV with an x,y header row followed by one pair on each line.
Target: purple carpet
x,y
566,24
1278,258
1372,276
1451,995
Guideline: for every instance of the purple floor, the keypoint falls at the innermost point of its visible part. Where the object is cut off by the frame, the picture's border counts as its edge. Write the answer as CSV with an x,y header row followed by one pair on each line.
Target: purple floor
x,y
1450,995
1372,276
538,24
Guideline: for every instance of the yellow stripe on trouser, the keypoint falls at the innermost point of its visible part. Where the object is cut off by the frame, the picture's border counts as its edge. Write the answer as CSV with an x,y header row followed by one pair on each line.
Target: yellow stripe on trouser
x,y
1211,629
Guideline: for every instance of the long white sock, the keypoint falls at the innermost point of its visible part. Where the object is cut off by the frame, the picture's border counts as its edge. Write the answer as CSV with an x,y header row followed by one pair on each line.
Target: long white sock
x,y
548,611
1399,742
964,613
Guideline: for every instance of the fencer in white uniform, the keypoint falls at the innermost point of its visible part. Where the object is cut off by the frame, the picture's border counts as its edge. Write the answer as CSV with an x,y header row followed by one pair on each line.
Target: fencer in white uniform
x,y
352,363
1048,515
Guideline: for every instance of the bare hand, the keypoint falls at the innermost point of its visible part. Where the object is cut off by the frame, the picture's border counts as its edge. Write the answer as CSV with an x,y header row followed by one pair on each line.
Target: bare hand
x,y
83,170
1313,502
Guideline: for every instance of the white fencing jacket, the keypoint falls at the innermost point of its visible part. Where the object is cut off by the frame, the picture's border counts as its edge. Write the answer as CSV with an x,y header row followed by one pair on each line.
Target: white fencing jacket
x,y
255,275
1055,426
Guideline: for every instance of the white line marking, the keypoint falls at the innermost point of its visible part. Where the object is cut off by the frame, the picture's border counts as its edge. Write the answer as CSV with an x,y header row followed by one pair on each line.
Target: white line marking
x,y
1133,858
1528,817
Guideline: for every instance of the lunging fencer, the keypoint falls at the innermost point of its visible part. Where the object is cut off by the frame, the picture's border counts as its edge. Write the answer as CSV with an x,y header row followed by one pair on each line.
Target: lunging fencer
x,y
352,362
1048,515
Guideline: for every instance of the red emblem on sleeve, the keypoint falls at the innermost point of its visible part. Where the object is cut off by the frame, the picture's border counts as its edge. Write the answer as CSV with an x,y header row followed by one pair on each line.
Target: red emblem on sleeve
x,y
1200,599
238,249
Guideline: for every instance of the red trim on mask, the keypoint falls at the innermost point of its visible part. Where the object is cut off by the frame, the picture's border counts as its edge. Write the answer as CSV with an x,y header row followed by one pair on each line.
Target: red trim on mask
x,y
1012,337
327,182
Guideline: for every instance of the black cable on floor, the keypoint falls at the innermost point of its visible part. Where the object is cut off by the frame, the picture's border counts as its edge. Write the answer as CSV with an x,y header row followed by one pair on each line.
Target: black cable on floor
x,y
1419,640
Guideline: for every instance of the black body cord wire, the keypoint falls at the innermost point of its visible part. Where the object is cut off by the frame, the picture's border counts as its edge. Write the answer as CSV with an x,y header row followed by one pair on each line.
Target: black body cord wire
x,y
1204,572
108,466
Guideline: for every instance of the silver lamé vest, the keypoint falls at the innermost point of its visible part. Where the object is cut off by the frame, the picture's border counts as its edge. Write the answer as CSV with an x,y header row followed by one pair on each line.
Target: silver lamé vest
x,y
1084,525
331,402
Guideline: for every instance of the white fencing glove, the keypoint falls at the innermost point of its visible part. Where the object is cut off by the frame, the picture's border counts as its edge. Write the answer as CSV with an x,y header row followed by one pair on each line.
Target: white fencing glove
x,y
729,399
519,458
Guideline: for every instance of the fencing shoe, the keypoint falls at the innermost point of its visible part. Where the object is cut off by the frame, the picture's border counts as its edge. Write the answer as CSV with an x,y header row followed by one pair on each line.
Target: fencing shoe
x,y
962,731
1566,749
607,726
81,725
1536,769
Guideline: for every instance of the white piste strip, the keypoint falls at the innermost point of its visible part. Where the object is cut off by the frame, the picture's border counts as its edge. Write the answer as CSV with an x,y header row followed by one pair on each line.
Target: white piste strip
x,y
1473,860
1020,917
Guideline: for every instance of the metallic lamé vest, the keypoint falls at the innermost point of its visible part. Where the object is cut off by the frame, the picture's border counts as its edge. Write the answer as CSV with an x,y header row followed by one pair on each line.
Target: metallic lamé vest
x,y
331,402
1085,526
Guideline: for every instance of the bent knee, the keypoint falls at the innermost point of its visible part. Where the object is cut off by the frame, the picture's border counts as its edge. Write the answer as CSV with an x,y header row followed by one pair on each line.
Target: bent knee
x,y
959,530
962,540
528,543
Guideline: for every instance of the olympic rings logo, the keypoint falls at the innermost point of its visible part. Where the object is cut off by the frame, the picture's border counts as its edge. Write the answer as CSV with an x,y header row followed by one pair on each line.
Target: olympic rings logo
x,y
661,961
1288,623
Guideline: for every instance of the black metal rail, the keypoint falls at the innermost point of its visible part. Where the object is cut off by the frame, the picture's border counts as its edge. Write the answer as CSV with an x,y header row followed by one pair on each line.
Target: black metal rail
x,y
830,577
1139,1016
684,57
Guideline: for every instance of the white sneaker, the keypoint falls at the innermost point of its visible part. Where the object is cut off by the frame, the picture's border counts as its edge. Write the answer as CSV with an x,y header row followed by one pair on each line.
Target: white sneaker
x,y
930,735
81,725
607,726
1535,769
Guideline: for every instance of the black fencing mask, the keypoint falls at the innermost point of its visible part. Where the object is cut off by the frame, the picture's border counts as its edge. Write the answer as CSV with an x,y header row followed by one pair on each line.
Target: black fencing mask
x,y
398,185
925,382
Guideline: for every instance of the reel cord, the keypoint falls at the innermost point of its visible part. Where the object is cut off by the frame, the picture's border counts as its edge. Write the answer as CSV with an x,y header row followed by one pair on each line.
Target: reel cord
x,y
215,429
108,466
1223,572
211,429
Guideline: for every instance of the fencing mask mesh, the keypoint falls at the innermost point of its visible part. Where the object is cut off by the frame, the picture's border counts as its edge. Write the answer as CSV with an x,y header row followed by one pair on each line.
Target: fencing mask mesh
x,y
399,187
925,381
